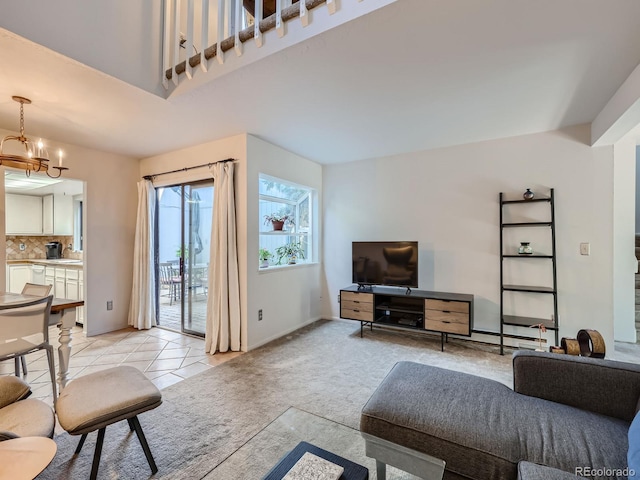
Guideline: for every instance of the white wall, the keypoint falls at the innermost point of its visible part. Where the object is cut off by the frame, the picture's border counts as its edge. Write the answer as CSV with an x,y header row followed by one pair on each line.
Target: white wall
x,y
447,199
118,37
637,186
110,214
232,147
289,297
624,260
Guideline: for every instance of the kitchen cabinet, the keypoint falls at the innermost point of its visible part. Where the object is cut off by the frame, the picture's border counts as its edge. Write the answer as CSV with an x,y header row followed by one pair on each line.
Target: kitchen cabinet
x,y
18,275
60,285
57,214
23,214
50,279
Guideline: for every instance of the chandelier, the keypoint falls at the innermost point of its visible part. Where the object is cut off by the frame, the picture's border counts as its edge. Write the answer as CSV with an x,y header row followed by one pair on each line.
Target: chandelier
x,y
35,157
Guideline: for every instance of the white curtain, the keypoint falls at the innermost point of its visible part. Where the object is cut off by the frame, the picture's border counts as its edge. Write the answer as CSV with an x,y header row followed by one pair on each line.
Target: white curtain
x,y
142,309
223,302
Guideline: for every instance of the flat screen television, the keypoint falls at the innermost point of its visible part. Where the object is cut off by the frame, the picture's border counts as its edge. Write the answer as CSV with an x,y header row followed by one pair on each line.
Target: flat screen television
x,y
385,263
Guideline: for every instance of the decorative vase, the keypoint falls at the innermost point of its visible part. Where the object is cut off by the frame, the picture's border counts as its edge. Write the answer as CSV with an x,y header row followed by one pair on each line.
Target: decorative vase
x,y
292,259
528,195
525,248
277,225
265,263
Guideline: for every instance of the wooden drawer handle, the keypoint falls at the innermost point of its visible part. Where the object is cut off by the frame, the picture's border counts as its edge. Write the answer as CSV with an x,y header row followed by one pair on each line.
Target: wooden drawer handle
x,y
446,311
356,310
446,321
356,301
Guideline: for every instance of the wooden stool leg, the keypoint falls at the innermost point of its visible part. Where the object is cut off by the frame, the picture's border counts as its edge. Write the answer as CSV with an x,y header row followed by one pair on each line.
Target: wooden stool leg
x,y
80,443
132,427
145,445
96,454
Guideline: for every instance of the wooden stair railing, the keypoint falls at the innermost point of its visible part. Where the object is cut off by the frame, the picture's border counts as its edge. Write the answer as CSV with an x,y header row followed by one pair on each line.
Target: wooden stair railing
x,y
268,23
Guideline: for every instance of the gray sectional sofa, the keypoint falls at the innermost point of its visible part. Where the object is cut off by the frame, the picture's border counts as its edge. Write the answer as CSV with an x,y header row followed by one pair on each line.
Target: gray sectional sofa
x,y
563,413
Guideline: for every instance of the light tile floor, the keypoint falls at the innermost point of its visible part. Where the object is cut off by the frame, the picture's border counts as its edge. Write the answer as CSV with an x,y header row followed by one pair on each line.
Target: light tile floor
x,y
164,356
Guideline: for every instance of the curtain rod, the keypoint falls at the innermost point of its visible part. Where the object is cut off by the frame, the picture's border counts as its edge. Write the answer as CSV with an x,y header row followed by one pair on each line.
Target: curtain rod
x,y
151,177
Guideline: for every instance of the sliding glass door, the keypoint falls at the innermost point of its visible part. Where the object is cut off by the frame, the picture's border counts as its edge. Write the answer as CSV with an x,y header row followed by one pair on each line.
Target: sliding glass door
x,y
183,231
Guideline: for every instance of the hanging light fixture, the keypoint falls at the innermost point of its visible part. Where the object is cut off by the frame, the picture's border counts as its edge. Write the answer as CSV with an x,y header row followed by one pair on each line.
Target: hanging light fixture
x,y
35,157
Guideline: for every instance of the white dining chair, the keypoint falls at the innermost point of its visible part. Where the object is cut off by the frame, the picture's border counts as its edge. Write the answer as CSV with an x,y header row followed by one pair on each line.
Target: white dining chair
x,y
30,289
24,329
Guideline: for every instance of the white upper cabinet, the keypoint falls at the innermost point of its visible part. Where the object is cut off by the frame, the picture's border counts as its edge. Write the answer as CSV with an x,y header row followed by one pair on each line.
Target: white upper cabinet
x,y
57,214
31,215
23,214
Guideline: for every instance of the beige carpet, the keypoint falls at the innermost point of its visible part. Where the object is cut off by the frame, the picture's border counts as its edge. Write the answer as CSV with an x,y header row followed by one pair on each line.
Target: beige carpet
x,y
324,369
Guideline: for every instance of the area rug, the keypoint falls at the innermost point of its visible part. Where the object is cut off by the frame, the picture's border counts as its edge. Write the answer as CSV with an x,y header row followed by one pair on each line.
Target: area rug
x,y
324,369
258,456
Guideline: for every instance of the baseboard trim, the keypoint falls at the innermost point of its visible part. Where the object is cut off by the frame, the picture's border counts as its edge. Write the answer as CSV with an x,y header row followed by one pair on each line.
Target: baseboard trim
x,y
283,333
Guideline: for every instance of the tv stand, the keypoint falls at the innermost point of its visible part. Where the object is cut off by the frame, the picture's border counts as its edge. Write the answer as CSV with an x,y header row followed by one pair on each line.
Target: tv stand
x,y
415,310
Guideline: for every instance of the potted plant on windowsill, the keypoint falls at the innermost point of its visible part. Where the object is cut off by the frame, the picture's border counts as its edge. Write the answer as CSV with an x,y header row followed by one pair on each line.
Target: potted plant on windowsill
x,y
278,220
264,256
290,251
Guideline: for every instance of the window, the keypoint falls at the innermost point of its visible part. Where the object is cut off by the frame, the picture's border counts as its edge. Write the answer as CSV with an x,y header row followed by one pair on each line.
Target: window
x,y
286,219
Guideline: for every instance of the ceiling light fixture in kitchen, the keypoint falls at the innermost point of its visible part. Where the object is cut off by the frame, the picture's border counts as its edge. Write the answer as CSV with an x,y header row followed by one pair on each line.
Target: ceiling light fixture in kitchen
x,y
35,157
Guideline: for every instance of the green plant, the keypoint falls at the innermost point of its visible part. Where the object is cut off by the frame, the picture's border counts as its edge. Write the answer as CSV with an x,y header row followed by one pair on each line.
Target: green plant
x,y
179,253
290,251
282,215
278,217
264,254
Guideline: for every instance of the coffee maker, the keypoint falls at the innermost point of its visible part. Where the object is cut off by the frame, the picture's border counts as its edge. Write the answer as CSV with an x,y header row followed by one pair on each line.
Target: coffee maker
x,y
54,250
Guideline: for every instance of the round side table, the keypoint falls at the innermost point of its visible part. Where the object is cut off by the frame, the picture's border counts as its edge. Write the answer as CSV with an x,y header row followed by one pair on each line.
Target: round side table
x,y
25,457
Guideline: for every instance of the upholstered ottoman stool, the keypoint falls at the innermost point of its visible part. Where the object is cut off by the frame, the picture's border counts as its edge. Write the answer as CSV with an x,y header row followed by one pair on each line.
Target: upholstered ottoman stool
x,y
99,399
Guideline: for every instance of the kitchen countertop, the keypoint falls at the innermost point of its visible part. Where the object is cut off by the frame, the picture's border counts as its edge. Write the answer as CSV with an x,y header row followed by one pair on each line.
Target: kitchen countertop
x,y
62,262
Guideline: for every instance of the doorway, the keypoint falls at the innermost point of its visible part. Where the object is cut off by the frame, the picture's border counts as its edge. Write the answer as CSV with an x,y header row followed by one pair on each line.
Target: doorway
x,y
183,234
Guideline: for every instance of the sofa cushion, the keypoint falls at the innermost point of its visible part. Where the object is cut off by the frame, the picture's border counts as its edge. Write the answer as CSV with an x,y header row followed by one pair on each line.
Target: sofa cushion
x,y
633,455
28,418
12,389
482,428
533,471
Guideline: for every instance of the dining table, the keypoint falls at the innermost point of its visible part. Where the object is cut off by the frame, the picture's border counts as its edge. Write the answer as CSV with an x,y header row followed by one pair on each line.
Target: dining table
x,y
62,314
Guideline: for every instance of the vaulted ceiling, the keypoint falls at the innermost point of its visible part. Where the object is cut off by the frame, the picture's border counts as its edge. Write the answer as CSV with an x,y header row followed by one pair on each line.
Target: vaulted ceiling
x,y
411,76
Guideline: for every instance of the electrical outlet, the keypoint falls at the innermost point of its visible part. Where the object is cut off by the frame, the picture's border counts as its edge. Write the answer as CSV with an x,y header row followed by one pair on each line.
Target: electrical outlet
x,y
259,314
585,249
338,298
23,247
109,304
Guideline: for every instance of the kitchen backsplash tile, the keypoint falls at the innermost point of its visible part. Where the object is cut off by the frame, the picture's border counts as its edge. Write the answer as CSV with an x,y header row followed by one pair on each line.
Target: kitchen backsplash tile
x,y
34,247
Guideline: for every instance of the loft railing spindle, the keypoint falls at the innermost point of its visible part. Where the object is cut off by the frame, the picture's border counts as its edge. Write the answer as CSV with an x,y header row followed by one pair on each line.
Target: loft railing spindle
x,y
204,35
304,13
176,40
219,52
279,23
257,34
189,44
237,45
166,47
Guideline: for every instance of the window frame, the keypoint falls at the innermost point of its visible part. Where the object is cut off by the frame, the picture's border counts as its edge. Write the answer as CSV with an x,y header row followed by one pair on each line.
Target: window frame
x,y
308,235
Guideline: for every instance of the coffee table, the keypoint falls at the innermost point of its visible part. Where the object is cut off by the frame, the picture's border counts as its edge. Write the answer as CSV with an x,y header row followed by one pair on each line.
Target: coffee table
x,y
352,471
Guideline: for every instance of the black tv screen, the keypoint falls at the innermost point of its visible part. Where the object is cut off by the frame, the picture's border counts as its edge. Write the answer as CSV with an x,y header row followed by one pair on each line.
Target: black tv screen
x,y
385,263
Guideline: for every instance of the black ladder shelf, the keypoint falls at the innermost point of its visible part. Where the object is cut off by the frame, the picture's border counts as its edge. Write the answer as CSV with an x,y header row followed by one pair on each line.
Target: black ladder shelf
x,y
524,321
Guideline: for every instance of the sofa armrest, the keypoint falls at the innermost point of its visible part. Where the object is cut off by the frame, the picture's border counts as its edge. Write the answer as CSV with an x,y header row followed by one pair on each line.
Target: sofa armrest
x,y
602,386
